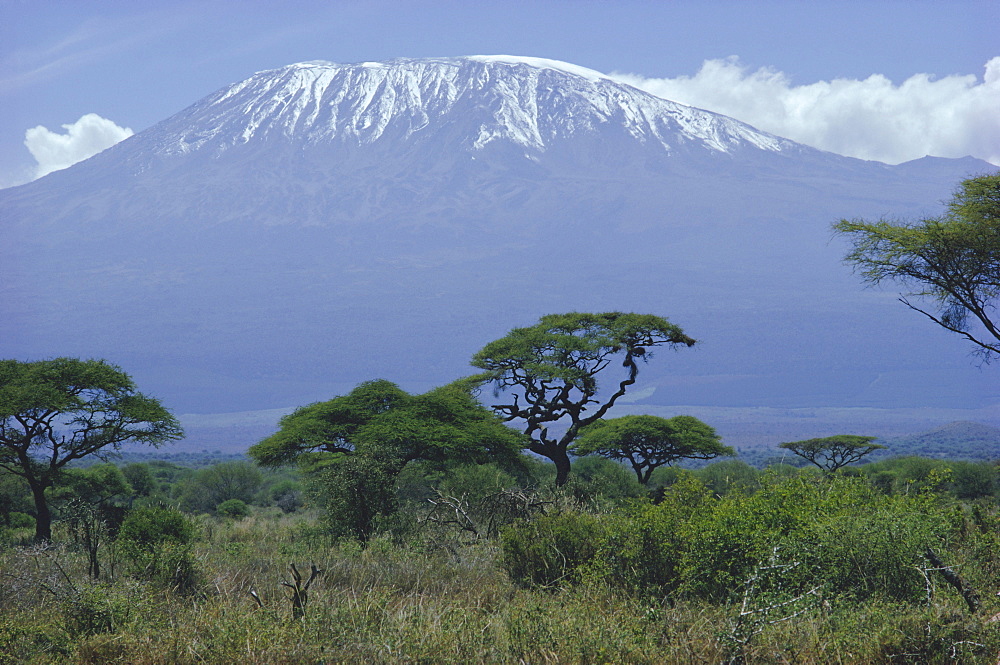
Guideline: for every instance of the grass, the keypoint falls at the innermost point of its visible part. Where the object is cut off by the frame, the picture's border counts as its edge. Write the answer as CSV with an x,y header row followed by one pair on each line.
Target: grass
x,y
414,603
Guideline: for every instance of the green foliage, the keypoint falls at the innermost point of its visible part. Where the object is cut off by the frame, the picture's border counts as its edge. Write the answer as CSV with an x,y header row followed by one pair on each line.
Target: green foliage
x,y
728,476
358,445
213,485
972,480
140,478
412,602
155,543
474,482
233,508
53,412
551,549
14,496
99,484
648,442
551,372
379,420
94,610
951,260
597,481
287,495
841,535
357,494
644,546
147,528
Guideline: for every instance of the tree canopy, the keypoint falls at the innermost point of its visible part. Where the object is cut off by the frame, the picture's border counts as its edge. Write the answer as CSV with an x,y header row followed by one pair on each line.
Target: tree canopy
x,y
358,444
381,421
649,442
952,261
550,372
832,452
55,411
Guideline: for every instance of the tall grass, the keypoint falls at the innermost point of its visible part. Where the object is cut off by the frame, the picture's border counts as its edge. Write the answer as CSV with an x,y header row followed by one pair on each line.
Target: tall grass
x,y
414,603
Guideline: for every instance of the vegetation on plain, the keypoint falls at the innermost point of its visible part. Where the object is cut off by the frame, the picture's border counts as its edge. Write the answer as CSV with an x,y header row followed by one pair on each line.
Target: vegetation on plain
x,y
386,527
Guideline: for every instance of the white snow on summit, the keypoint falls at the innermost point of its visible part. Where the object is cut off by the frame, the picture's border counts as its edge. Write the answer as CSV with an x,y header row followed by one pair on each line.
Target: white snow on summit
x,y
542,63
481,99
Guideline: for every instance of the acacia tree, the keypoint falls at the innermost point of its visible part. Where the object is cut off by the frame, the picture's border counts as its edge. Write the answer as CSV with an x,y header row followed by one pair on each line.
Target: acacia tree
x,y
550,371
357,445
55,411
952,260
381,421
649,442
832,452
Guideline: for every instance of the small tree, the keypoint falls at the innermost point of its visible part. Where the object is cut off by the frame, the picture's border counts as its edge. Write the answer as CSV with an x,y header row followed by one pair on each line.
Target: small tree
x,y
550,372
55,411
649,442
832,452
952,260
94,504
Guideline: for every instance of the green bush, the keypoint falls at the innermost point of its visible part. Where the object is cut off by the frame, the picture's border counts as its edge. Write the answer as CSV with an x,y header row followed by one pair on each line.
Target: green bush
x,y
358,495
95,610
233,508
973,480
156,543
550,549
21,521
643,546
598,481
729,476
840,534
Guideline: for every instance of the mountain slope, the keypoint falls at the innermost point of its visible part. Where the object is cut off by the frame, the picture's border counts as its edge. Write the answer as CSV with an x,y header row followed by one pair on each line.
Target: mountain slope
x,y
319,225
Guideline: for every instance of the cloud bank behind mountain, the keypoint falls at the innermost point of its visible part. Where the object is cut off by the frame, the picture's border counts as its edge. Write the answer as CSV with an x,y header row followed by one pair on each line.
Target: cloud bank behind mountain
x,y
874,118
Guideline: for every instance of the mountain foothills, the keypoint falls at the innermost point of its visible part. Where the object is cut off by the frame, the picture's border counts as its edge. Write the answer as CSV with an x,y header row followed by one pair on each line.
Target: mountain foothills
x,y
320,225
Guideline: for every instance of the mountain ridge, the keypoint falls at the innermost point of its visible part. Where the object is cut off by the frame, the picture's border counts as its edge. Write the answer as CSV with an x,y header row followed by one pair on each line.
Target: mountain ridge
x,y
254,270
317,101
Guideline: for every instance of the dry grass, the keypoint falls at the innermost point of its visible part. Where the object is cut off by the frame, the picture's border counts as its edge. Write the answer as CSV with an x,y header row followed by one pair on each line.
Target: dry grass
x,y
391,604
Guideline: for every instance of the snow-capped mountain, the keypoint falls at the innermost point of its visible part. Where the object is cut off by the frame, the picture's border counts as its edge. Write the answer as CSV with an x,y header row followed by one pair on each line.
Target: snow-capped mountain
x,y
529,102
321,224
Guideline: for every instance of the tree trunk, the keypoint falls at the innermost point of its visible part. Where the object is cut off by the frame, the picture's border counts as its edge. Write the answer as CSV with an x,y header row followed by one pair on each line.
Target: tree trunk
x,y
561,459
43,518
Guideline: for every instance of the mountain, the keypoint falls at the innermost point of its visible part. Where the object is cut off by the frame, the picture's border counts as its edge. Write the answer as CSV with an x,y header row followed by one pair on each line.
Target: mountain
x,y
957,440
320,224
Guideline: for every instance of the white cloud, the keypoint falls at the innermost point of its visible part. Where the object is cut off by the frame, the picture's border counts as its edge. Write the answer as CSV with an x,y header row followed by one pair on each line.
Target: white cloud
x,y
84,138
953,116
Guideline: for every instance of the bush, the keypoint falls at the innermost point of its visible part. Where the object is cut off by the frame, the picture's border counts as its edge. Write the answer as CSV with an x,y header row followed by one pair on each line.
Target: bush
x,y
156,543
550,549
21,521
287,495
972,480
730,476
358,494
233,508
213,485
643,547
597,480
840,534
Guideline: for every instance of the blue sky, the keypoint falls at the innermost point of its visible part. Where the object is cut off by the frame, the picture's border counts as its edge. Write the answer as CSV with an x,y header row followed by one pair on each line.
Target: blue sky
x,y
881,80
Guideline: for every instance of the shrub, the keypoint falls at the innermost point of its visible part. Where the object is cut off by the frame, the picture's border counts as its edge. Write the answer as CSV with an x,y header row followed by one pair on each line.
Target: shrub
x,y
730,476
287,495
972,480
157,544
233,508
358,494
550,549
643,547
